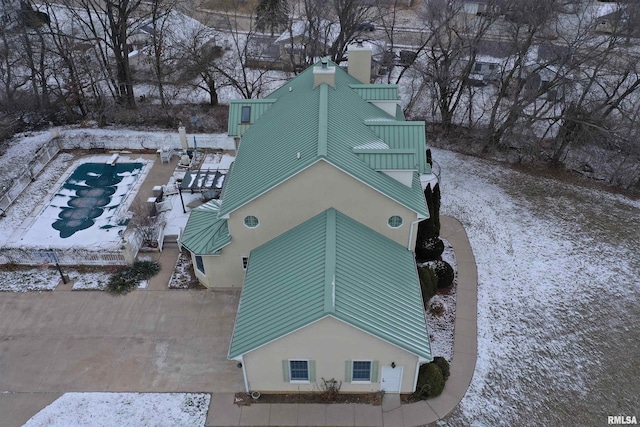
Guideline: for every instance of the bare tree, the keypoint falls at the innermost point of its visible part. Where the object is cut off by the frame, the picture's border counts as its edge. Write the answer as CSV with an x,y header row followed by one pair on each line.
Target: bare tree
x,y
111,22
449,55
350,15
145,222
10,63
199,66
233,67
161,51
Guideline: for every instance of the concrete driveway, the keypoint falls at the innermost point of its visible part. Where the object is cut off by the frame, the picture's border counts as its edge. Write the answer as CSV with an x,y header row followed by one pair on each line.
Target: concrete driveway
x,y
91,341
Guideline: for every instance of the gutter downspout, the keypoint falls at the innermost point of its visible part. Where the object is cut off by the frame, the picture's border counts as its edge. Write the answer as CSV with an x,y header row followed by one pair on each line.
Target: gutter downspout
x,y
411,233
415,379
244,374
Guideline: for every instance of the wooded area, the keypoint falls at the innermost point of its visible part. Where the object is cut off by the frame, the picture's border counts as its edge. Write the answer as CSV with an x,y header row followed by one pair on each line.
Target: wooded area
x,y
553,81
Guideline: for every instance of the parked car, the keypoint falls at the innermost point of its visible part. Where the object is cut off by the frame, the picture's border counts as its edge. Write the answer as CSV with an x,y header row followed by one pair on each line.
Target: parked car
x,y
365,26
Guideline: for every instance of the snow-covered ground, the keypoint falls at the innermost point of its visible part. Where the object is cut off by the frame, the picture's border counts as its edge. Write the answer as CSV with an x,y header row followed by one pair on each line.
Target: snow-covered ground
x,y
124,409
440,325
558,294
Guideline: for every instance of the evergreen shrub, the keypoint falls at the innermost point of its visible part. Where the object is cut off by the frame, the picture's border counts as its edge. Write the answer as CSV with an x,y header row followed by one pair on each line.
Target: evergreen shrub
x,y
428,284
444,271
125,281
442,363
430,381
429,249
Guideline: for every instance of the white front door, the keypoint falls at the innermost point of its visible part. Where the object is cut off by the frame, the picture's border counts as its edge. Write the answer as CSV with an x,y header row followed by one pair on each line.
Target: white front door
x,y
391,379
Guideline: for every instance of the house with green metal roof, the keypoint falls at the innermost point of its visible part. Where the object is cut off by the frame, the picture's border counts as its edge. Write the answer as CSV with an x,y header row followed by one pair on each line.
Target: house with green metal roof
x,y
331,298
326,139
317,223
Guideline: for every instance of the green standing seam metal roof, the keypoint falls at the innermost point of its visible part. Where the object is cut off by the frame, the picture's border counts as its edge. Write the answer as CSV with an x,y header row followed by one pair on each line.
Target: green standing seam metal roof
x,y
331,265
308,124
258,108
377,92
205,233
404,135
389,159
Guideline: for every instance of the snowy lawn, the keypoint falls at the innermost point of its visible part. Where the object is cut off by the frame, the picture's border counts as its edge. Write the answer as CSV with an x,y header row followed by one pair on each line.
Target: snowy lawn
x,y
124,409
24,279
558,294
88,280
441,325
183,276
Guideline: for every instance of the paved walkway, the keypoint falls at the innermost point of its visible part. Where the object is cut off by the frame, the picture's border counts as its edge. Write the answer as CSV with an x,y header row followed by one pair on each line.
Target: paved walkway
x,y
223,412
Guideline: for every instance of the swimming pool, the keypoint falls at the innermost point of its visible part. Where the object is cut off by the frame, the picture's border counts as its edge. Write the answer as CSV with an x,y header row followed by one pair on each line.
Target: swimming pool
x,y
87,210
94,185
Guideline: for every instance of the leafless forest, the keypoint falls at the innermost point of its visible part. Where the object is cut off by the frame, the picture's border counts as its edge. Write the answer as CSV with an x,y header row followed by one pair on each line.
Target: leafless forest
x,y
550,82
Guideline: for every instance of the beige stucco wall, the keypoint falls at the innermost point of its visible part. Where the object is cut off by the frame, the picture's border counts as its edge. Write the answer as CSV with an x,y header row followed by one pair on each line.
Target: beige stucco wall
x,y
312,191
329,342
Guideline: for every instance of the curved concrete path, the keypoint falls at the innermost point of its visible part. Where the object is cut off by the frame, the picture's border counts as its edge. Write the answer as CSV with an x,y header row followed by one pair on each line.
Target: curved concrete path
x,y
223,412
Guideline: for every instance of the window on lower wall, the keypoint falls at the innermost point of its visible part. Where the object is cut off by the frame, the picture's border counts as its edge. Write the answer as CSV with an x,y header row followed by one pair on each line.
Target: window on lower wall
x,y
361,370
299,370
200,264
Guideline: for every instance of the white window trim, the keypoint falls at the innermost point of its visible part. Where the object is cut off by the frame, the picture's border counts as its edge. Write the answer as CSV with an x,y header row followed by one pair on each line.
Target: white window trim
x,y
395,228
242,109
370,369
254,227
202,262
291,376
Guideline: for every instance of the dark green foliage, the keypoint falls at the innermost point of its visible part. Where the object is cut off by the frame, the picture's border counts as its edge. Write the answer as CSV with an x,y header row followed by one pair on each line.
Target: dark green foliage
x,y
443,365
429,249
124,281
430,228
121,283
428,284
429,158
272,15
434,211
444,271
144,270
430,382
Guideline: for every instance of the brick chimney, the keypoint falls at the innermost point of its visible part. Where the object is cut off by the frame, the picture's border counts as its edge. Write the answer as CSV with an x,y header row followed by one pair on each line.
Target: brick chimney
x,y
360,61
323,73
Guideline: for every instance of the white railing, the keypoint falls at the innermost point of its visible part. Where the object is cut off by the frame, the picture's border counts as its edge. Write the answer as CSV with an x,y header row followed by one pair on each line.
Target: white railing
x,y
29,173
70,256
